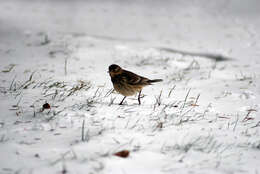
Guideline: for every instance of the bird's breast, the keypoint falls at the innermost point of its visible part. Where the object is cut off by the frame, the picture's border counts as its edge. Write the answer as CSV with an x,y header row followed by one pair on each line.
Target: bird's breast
x,y
122,87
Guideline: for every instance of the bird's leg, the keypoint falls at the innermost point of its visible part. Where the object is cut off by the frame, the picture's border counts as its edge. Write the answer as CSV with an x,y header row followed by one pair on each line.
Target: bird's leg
x,y
139,95
122,101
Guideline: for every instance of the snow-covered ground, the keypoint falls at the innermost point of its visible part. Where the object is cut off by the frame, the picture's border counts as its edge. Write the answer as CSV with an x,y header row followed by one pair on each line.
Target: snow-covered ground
x,y
203,118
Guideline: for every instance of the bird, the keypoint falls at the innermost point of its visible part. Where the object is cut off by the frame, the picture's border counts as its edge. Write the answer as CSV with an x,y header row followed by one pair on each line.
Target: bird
x,y
128,83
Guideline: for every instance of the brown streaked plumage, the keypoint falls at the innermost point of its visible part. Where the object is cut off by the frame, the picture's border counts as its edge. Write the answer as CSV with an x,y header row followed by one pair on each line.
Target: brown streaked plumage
x,y
128,83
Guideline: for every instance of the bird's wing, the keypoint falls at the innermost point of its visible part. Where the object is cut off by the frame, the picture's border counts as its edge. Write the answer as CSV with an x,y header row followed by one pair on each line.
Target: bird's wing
x,y
134,79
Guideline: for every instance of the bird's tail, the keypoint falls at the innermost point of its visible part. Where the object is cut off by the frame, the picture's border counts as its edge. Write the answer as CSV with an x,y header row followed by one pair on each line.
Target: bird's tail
x,y
155,80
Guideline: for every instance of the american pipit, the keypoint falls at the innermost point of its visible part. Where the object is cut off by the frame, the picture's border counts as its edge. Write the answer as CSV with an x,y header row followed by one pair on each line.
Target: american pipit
x,y
128,83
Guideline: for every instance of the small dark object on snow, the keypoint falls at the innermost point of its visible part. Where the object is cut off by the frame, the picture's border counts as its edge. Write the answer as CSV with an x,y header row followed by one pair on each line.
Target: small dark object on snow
x,y
122,154
46,106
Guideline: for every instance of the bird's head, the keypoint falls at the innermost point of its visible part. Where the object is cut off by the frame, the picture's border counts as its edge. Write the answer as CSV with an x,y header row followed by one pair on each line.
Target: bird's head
x,y
114,70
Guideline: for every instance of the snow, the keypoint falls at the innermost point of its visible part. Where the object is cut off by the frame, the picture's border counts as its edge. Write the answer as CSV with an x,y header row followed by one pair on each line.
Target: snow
x,y
203,117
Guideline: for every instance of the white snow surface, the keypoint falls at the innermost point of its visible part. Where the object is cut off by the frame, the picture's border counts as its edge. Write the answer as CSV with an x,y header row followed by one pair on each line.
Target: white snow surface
x,y
203,118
